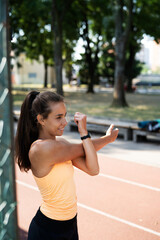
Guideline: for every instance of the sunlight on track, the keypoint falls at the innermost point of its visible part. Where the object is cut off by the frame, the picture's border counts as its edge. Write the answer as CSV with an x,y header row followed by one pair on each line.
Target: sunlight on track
x,y
101,212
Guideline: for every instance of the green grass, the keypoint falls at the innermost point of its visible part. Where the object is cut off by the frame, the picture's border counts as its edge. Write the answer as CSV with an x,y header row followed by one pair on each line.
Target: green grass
x,y
141,106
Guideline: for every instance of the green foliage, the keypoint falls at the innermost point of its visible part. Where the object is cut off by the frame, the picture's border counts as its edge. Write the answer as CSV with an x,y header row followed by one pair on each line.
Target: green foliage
x,y
68,48
92,31
91,20
107,63
83,70
145,69
31,27
147,17
137,67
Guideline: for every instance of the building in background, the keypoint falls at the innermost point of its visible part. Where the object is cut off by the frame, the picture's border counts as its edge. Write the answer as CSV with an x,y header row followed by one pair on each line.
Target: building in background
x,y
150,54
155,57
31,72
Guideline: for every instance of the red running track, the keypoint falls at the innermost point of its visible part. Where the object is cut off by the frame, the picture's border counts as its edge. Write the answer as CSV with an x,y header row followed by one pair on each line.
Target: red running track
x,y
121,203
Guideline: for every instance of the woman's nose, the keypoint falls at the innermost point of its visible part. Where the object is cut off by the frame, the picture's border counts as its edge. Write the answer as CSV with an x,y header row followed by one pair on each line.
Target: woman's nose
x,y
65,121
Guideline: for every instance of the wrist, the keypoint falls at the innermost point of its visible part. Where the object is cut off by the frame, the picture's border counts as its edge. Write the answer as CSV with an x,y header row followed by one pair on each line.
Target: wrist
x,y
82,134
85,136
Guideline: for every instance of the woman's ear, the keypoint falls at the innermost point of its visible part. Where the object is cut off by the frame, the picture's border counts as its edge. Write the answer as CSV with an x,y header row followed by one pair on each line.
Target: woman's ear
x,y
40,119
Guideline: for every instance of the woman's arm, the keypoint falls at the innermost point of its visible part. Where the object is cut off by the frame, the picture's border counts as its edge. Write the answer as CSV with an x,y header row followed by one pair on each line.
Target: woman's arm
x,y
54,151
98,143
110,137
89,163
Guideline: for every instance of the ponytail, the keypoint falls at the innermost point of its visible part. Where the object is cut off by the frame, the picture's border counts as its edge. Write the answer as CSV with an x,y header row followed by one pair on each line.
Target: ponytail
x,y
27,132
28,129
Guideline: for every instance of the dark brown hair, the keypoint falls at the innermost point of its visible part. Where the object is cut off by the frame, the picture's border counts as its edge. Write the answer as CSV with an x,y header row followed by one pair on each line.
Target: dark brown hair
x,y
27,130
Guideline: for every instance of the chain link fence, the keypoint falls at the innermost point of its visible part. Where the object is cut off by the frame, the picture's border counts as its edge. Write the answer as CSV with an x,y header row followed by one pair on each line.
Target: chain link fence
x,y
8,217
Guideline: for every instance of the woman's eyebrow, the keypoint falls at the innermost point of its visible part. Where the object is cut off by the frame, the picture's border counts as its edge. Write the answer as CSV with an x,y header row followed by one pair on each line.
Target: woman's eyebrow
x,y
61,114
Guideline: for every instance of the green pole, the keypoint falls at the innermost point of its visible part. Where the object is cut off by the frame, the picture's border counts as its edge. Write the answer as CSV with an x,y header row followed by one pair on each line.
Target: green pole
x,y
8,210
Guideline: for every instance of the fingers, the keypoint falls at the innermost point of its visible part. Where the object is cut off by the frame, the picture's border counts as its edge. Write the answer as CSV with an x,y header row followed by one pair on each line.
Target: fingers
x,y
116,130
79,117
76,117
111,127
113,133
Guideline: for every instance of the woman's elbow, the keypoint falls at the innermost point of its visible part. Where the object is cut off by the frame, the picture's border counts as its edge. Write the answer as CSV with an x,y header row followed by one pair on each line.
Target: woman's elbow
x,y
94,172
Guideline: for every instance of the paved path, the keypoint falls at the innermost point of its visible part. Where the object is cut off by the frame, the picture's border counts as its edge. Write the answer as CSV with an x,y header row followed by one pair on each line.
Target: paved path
x,y
122,203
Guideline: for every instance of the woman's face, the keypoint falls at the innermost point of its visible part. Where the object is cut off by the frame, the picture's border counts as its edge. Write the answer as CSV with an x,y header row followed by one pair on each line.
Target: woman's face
x,y
55,123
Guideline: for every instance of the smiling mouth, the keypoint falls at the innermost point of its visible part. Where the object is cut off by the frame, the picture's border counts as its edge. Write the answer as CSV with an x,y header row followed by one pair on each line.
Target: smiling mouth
x,y
62,129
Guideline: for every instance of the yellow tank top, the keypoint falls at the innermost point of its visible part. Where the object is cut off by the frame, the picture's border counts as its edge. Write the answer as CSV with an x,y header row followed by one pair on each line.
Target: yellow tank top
x,y
58,192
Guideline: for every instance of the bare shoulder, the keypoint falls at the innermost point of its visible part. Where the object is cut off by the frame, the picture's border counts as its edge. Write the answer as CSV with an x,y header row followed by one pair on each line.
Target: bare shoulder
x,y
48,152
40,149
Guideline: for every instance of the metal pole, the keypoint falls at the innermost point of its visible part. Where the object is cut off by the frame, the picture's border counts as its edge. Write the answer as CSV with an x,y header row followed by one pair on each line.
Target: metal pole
x,y
8,213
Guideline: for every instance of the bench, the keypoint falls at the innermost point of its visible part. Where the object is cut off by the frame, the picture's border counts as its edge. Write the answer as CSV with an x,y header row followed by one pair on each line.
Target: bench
x,y
127,130
97,125
142,135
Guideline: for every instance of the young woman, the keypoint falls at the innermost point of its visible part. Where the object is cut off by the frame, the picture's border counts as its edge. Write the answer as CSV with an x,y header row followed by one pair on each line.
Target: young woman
x,y
51,160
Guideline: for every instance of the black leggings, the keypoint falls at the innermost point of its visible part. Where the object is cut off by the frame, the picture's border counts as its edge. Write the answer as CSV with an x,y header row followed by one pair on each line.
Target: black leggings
x,y
44,228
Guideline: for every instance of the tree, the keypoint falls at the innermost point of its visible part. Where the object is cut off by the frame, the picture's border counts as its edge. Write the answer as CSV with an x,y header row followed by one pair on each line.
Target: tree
x,y
132,66
38,38
123,16
91,28
68,62
91,55
41,46
107,62
148,17
143,12
59,15
30,26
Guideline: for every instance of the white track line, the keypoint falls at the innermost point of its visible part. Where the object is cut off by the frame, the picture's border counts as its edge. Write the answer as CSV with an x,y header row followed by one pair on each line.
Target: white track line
x,y
129,182
101,213
27,185
119,219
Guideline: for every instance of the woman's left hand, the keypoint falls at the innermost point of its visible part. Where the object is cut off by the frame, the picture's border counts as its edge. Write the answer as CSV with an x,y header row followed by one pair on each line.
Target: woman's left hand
x,y
81,120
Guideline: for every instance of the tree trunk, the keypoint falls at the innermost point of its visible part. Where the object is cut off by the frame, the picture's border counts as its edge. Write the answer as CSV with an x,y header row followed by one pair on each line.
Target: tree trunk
x,y
130,66
90,86
120,50
88,53
45,75
58,68
57,30
119,94
92,65
91,72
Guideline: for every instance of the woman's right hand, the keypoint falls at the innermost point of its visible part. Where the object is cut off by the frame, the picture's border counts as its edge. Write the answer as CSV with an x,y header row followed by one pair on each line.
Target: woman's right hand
x,y
112,133
81,120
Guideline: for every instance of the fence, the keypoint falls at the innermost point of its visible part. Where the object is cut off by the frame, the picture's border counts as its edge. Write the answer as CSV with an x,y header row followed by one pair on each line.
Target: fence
x,y
8,218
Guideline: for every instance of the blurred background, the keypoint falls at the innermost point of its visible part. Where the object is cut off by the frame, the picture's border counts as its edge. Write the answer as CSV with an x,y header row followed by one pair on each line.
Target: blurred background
x,y
103,56
90,47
